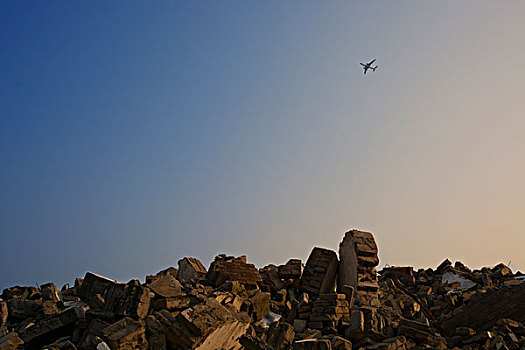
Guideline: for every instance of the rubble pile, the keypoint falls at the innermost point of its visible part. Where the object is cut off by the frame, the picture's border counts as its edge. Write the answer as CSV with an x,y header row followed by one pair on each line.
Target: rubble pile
x,y
333,302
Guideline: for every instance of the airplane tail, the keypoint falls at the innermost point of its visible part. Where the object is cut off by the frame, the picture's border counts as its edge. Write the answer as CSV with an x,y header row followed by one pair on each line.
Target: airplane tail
x,y
374,68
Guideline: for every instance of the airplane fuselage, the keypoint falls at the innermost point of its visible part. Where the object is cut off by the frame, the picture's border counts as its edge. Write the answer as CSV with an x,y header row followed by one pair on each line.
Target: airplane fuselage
x,y
367,66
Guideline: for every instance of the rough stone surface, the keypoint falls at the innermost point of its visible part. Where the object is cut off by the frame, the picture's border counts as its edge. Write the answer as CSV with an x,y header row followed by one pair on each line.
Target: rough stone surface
x,y
190,269
169,271
125,334
10,341
228,268
291,270
166,286
61,324
484,312
357,266
312,344
93,284
258,305
280,335
320,272
129,299
3,313
250,342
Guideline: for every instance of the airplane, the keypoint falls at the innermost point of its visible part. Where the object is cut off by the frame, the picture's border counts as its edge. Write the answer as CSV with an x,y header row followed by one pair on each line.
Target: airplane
x,y
367,66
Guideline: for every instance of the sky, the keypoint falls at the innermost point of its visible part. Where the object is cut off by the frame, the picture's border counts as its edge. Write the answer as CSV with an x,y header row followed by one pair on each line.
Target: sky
x,y
134,134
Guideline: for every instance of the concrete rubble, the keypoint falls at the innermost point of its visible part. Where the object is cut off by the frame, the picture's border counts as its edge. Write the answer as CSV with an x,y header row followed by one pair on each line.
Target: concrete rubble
x,y
334,301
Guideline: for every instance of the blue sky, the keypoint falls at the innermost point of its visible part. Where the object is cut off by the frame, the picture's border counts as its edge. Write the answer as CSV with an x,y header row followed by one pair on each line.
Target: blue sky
x,y
134,134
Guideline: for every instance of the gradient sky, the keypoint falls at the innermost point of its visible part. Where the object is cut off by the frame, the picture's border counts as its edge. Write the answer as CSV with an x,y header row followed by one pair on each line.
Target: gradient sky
x,y
134,134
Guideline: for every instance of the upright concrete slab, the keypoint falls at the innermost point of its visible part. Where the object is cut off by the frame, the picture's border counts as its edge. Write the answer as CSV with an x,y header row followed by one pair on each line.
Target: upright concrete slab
x,y
320,272
357,266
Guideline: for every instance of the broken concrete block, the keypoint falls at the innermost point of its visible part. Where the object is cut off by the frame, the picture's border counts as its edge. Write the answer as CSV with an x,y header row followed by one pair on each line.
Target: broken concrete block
x,y
228,268
10,341
21,309
22,293
483,312
299,325
49,292
257,306
319,273
96,302
93,332
249,342
157,342
445,265
169,271
173,303
93,284
312,344
63,343
205,326
190,269
126,334
3,313
158,329
61,324
358,255
415,330
404,274
339,343
327,310
270,276
291,270
129,299
49,308
357,325
280,335
348,291
166,286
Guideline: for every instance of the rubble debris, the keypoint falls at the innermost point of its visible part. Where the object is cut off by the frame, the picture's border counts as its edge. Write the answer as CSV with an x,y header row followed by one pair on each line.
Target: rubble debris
x,y
166,286
49,292
126,334
169,271
320,272
129,299
10,341
312,344
257,306
484,311
3,313
404,274
228,268
357,266
327,311
19,309
63,343
21,293
42,331
280,335
190,269
233,305
250,342
210,326
291,270
93,284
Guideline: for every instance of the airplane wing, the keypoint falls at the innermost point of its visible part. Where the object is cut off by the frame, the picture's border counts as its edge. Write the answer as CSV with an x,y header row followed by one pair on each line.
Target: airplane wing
x,y
366,68
372,61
